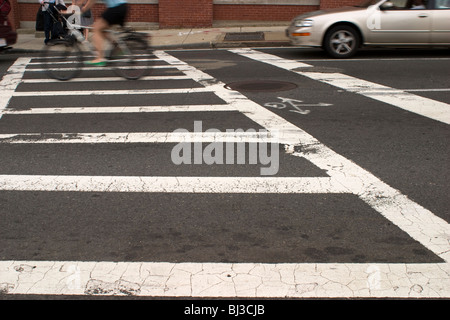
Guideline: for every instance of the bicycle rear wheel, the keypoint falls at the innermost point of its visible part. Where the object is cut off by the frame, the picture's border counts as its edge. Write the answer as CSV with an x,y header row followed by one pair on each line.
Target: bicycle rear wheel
x,y
63,59
133,61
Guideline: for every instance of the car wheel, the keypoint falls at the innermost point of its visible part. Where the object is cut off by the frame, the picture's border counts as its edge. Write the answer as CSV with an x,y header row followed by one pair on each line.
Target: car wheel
x,y
341,42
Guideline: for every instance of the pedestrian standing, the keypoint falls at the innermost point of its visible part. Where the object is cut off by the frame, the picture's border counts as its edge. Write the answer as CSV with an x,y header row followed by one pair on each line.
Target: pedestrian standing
x,y
87,18
48,20
49,12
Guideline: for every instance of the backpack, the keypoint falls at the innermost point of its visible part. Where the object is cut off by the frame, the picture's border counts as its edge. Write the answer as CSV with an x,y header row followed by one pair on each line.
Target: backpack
x,y
5,7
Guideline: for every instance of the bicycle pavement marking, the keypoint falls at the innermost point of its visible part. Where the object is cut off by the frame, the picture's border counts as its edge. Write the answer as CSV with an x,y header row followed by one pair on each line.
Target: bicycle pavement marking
x,y
426,107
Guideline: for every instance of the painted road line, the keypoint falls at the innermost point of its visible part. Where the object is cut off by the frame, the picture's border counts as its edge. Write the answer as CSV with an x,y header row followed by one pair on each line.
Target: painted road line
x,y
105,79
170,184
227,280
54,57
97,68
418,222
392,90
430,108
421,224
408,60
119,109
139,137
11,80
34,63
105,92
428,90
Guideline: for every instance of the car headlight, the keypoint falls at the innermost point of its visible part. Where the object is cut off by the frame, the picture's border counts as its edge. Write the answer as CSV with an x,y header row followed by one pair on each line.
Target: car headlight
x,y
303,23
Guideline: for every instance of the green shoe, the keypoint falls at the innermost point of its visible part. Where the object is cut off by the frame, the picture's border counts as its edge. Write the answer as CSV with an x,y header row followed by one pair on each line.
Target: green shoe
x,y
95,64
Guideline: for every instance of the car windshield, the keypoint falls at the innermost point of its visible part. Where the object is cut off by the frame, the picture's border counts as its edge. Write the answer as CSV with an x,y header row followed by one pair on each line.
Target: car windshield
x,y
367,3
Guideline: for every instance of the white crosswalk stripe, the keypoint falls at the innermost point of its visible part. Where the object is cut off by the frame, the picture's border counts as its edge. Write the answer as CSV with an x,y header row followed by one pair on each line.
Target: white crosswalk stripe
x,y
104,79
134,137
105,92
122,109
255,280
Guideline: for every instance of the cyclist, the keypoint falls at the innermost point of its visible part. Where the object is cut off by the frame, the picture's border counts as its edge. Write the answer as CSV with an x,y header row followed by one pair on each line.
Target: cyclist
x,y
115,14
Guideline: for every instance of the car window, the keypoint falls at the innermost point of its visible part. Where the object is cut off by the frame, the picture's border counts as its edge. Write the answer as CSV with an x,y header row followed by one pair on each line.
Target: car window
x,y
418,4
398,5
442,4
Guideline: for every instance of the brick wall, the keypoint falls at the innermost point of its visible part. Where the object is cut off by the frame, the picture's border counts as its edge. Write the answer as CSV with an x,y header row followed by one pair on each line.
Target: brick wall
x,y
328,4
14,14
137,13
28,11
185,13
189,13
143,13
259,12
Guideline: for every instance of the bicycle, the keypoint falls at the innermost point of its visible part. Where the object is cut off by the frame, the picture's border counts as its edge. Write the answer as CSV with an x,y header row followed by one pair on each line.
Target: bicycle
x,y
128,54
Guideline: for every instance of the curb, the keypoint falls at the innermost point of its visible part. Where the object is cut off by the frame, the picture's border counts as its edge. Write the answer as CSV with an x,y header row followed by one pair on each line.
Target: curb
x,y
34,42
250,44
192,46
21,51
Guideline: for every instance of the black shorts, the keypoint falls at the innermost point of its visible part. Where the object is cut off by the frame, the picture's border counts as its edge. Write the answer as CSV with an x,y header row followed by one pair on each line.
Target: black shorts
x,y
116,15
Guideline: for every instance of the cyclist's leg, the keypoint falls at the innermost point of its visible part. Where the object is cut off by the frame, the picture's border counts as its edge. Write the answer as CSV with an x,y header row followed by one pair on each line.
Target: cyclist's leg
x,y
98,38
111,16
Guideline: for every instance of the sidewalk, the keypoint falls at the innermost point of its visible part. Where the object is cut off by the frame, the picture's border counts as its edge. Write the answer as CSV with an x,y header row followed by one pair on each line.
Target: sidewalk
x,y
214,37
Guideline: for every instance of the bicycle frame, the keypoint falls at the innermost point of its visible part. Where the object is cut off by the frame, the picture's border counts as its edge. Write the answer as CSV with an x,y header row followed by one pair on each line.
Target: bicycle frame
x,y
78,36
126,43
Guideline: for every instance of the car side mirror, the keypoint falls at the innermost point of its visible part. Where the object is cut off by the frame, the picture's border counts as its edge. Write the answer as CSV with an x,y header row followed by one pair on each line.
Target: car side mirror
x,y
387,5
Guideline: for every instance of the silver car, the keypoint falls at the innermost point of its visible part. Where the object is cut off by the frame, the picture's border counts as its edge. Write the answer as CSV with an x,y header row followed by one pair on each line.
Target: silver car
x,y
399,23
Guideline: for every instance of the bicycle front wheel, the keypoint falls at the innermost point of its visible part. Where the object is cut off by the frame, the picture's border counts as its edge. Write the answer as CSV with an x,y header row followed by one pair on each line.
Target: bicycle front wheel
x,y
132,61
63,59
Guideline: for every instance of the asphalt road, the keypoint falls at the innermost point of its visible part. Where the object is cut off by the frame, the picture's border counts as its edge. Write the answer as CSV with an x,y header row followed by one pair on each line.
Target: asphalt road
x,y
402,156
